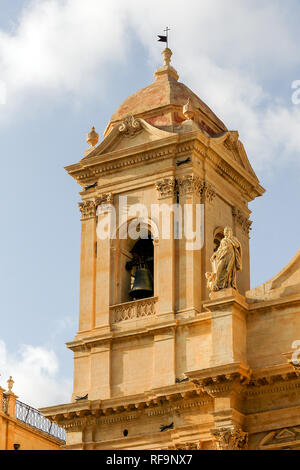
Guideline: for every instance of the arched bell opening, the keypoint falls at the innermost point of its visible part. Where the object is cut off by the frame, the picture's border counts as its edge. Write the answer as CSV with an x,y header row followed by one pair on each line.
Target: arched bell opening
x,y
125,250
141,268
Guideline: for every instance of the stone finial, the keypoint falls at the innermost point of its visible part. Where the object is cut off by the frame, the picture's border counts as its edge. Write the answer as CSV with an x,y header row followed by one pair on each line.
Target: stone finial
x,y
10,383
167,54
188,110
92,137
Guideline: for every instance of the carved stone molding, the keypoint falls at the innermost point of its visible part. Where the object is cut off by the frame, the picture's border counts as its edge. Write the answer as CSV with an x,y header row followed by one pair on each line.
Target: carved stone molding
x,y
130,126
87,209
231,438
231,141
166,187
242,220
225,383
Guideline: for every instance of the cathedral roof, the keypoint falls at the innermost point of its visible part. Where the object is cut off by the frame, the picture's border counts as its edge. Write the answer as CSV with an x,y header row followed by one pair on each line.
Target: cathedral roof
x,y
161,103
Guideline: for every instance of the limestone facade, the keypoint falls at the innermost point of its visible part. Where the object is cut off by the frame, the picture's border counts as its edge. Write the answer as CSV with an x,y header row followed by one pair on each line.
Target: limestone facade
x,y
183,369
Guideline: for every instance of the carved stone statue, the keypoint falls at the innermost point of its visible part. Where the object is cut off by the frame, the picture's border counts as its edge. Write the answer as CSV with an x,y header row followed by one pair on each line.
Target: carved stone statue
x,y
226,262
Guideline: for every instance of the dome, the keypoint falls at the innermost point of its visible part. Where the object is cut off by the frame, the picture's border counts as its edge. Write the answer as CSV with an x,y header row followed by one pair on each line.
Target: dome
x,y
161,103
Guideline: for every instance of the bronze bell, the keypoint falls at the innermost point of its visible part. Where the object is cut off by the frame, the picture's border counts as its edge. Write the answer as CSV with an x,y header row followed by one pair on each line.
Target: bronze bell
x,y
143,284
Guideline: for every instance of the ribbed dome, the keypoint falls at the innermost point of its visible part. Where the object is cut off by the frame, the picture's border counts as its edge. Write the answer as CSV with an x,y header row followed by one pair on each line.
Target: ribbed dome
x,y
161,103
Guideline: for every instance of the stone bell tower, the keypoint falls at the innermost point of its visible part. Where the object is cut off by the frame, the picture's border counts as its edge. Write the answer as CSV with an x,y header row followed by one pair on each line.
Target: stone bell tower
x,y
138,363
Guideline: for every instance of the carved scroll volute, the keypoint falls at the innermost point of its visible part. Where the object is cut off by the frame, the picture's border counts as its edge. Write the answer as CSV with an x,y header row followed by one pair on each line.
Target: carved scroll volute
x,y
130,126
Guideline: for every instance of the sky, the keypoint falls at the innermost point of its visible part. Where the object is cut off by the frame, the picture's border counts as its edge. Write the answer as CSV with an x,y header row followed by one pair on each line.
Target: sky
x,y
66,65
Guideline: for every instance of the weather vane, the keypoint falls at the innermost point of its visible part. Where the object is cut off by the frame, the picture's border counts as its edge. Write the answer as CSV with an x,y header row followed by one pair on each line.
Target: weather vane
x,y
164,38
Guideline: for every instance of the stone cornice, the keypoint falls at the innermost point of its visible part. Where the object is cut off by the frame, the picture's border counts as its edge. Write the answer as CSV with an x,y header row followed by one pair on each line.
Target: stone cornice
x,y
274,304
238,379
178,397
171,147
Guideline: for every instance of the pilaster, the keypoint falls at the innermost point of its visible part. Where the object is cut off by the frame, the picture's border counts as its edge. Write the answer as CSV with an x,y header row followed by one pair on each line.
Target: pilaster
x,y
87,265
164,358
166,248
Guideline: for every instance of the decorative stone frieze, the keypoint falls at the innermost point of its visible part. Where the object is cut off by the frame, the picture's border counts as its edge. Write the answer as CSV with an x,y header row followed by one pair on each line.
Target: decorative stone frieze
x,y
130,126
231,438
242,220
166,187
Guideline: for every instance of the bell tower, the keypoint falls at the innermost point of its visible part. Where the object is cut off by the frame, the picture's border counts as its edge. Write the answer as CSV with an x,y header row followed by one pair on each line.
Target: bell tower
x,y
157,193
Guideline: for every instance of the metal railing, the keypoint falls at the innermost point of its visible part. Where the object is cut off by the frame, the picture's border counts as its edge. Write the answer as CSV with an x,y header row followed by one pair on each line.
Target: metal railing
x,y
34,418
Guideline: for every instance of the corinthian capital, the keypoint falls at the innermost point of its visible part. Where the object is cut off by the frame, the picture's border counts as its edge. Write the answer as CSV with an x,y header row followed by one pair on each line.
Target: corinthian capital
x,y
242,220
107,198
231,438
190,184
87,209
166,187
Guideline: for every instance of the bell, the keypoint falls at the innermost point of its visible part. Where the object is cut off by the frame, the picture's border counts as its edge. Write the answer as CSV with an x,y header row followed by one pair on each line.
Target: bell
x,y
142,285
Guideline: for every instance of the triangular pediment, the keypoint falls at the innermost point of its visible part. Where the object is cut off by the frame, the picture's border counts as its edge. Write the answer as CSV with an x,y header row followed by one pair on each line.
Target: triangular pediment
x,y
230,143
132,132
281,439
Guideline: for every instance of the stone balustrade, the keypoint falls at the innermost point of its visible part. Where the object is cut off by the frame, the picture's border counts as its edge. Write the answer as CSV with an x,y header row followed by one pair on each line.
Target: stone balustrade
x,y
133,310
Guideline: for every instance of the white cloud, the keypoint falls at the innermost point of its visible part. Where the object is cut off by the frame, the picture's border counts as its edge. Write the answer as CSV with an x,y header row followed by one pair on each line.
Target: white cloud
x,y
226,51
35,371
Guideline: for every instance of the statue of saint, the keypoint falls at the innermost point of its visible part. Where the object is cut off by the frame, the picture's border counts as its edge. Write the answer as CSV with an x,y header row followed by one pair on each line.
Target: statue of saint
x,y
226,262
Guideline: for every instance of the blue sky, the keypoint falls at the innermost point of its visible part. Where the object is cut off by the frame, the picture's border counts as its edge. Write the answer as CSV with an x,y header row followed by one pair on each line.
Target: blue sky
x,y
67,65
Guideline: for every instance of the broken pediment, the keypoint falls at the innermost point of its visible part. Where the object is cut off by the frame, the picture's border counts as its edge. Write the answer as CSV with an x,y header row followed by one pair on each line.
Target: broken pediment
x,y
284,284
131,132
234,149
